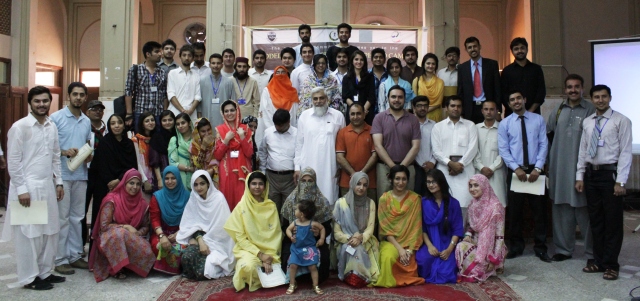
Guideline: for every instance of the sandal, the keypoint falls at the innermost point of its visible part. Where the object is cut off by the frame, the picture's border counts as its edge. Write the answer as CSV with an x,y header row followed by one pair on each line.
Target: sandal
x,y
317,290
500,271
39,285
120,275
610,274
292,288
592,268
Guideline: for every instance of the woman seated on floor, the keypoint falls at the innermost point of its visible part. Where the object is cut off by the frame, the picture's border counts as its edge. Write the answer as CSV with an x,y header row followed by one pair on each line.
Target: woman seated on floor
x,y
165,210
441,230
119,234
254,225
307,189
354,221
399,214
210,251
482,251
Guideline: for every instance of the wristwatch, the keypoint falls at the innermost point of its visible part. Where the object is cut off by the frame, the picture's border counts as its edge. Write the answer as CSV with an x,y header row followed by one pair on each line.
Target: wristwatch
x,y
161,235
538,170
621,184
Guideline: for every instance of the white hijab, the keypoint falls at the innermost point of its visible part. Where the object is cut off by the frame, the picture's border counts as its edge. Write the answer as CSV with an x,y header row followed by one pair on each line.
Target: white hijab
x,y
209,215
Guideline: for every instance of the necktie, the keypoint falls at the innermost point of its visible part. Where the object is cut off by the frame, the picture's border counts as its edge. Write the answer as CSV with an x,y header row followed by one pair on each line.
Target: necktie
x,y
525,142
593,146
477,82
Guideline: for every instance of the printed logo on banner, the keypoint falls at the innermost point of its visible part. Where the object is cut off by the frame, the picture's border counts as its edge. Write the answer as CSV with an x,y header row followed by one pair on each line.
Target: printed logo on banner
x,y
395,37
333,35
271,36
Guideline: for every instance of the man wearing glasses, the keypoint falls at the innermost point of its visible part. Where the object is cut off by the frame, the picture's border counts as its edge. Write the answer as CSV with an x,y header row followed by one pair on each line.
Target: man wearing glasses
x,y
449,74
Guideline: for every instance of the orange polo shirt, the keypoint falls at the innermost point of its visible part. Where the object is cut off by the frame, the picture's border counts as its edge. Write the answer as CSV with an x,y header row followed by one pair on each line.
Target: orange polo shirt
x,y
357,149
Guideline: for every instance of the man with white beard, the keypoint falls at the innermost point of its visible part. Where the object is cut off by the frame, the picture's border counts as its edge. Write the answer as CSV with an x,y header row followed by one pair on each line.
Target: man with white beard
x,y
320,126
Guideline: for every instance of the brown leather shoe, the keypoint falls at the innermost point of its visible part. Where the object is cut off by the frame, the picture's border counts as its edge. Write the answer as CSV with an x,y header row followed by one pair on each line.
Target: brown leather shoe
x,y
80,264
65,269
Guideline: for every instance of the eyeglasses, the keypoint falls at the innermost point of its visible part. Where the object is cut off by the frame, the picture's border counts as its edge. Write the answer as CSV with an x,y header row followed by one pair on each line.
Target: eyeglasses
x,y
99,110
432,183
423,106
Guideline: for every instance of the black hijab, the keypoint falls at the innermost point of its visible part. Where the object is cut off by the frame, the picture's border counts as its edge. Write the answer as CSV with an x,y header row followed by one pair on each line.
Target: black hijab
x,y
160,140
115,157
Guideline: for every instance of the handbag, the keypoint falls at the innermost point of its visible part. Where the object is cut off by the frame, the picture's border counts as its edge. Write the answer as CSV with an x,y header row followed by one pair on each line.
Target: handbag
x,y
355,280
119,105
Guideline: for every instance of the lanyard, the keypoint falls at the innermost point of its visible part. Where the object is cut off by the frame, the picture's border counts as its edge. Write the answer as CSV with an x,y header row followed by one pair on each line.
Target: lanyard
x,y
600,129
244,86
152,77
215,91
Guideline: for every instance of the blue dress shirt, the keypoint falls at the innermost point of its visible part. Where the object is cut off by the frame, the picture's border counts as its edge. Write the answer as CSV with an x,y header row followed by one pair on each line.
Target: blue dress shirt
x,y
510,140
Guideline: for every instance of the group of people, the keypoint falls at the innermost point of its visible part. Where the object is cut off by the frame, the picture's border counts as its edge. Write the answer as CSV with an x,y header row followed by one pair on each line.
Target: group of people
x,y
392,176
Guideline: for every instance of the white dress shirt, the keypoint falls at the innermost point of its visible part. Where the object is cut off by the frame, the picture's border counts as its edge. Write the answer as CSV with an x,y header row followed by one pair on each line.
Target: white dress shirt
x,y
426,150
185,86
450,78
277,150
261,78
456,139
202,71
489,156
616,133
299,74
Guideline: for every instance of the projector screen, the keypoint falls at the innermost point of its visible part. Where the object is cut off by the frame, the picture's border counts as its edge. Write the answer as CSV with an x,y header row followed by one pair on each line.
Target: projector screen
x,y
616,63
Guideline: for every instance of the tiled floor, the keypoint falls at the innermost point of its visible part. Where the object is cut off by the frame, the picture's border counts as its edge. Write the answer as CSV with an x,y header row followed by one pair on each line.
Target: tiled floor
x,y
528,276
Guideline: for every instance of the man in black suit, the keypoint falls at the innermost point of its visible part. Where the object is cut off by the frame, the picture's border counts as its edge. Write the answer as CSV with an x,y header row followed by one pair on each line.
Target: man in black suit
x,y
476,90
525,76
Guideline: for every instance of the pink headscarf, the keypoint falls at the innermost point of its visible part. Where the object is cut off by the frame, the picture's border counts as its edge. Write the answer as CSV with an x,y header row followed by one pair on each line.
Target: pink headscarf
x,y
483,210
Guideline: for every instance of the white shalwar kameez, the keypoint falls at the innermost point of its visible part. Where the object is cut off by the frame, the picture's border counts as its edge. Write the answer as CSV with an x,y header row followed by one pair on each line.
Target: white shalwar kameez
x,y
488,156
456,139
33,159
316,148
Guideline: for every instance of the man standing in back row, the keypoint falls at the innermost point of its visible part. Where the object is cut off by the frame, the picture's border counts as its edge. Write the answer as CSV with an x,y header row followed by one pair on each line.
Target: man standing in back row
x,y
344,34
525,76
604,162
478,80
304,32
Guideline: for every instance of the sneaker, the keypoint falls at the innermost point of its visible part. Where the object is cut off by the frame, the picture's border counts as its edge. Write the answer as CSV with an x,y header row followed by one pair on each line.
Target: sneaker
x,y
65,269
80,264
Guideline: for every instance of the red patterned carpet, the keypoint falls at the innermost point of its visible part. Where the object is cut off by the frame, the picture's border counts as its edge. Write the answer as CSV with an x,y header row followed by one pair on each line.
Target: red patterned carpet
x,y
222,289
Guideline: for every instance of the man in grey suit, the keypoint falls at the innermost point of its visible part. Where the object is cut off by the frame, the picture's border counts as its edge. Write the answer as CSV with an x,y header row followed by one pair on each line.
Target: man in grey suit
x,y
478,80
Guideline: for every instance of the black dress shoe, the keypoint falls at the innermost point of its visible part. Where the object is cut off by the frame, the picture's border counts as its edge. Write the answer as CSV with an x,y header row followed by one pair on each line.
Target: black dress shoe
x,y
513,254
543,256
54,279
560,257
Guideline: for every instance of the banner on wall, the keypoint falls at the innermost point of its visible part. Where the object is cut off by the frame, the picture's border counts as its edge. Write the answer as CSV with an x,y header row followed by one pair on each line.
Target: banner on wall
x,y
273,40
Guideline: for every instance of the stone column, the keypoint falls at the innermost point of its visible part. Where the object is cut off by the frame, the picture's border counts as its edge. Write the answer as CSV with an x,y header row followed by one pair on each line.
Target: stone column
x,y
331,12
223,26
547,43
441,20
119,47
24,26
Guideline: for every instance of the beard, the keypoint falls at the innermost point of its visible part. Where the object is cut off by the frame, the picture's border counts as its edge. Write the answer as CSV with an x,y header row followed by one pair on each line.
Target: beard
x,y
320,111
241,76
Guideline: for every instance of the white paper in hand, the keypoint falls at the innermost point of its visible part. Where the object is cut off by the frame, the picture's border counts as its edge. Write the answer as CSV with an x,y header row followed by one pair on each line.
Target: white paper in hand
x,y
351,250
276,278
535,188
36,214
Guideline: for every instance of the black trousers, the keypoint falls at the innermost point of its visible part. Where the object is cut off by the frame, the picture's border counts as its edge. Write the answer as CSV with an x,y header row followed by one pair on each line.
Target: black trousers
x,y
605,215
538,207
420,186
